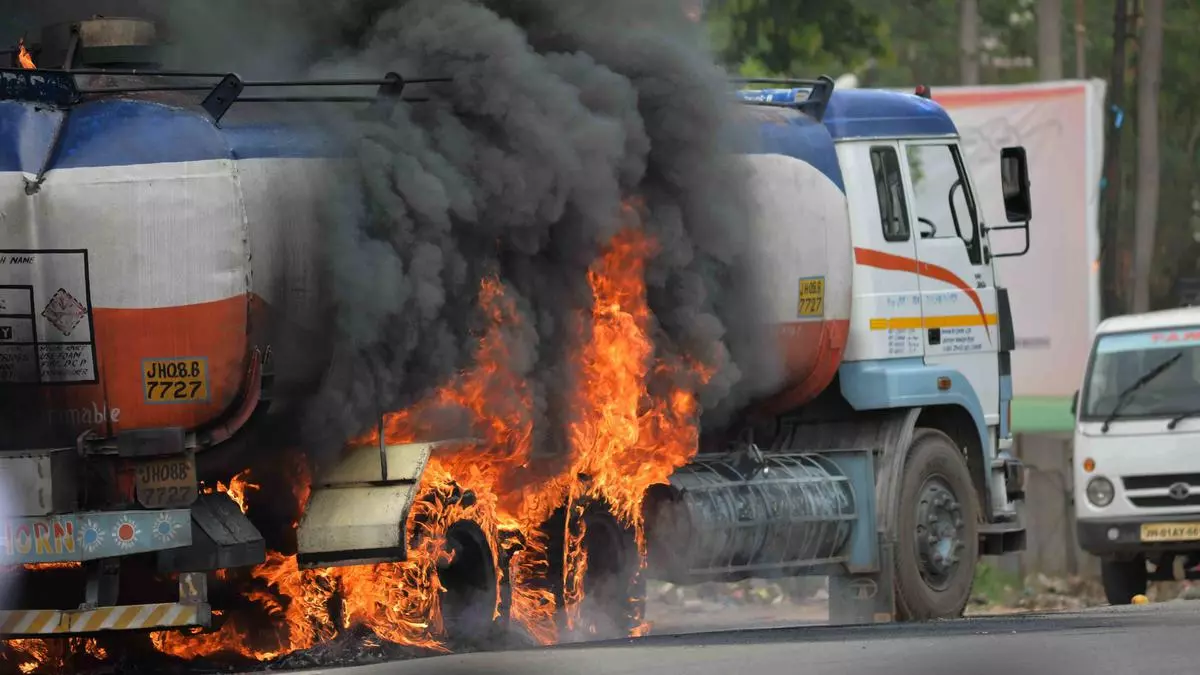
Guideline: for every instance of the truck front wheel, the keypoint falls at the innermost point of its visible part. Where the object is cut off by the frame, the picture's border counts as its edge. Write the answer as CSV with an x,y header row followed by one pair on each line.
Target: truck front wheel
x,y
1123,579
937,542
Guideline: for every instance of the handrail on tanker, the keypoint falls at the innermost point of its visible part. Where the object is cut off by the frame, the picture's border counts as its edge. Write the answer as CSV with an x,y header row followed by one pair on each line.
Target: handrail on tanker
x,y
59,87
819,92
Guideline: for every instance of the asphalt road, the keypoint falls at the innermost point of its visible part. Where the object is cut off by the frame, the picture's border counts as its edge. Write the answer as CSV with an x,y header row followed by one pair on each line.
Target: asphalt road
x,y
1161,639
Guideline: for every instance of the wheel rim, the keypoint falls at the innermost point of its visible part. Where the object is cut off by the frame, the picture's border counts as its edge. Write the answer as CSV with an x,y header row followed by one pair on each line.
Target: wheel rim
x,y
939,533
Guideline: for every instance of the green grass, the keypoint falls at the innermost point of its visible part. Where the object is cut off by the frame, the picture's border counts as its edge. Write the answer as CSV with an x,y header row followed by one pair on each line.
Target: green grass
x,y
995,586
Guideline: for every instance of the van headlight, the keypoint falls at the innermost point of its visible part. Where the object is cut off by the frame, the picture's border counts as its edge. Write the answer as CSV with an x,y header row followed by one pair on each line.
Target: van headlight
x,y
1100,491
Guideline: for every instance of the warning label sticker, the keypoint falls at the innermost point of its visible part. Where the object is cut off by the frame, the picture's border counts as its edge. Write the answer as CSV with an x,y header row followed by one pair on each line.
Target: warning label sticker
x,y
46,334
64,312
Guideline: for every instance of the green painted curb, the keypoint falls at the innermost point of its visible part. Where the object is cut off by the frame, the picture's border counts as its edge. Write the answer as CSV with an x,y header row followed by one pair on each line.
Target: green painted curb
x,y
1042,413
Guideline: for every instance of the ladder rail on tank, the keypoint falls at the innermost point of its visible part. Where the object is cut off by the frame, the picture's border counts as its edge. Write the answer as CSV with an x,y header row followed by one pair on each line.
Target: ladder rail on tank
x,y
819,92
60,88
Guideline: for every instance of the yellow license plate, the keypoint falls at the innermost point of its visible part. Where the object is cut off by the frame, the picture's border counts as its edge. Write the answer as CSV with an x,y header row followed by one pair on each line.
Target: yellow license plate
x,y
167,483
1171,532
175,380
811,301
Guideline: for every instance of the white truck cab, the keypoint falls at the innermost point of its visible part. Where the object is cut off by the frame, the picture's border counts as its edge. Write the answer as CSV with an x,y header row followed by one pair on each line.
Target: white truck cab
x,y
1136,464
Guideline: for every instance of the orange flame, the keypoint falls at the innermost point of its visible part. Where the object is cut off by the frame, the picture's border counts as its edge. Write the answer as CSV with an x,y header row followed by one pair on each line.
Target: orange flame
x,y
50,656
238,485
622,440
24,57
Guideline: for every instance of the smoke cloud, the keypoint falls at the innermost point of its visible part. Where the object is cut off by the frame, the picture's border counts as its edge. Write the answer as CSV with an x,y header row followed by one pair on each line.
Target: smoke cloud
x,y
558,110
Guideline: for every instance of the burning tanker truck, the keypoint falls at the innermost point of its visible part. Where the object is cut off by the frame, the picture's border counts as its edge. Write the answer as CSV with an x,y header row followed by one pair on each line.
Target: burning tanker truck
x,y
157,291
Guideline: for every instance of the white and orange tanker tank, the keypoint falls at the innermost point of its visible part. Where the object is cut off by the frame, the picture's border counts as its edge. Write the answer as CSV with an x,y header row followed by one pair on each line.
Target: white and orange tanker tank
x,y
148,258
802,238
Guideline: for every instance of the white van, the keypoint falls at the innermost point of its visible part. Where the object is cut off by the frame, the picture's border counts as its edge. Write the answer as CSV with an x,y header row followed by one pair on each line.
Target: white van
x,y
1137,450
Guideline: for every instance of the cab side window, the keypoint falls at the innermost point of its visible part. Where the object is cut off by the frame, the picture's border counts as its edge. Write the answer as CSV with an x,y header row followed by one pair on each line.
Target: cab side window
x,y
942,199
889,189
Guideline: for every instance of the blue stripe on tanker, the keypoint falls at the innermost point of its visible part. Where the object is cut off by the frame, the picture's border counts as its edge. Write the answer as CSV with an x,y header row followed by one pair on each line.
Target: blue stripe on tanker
x,y
122,133
794,135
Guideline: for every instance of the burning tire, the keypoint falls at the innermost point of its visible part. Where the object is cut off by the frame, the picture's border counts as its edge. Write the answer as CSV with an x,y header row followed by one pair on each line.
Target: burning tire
x,y
469,603
614,592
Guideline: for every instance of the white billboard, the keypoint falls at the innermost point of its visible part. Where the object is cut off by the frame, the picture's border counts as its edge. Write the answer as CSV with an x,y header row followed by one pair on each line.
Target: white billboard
x,y
1054,288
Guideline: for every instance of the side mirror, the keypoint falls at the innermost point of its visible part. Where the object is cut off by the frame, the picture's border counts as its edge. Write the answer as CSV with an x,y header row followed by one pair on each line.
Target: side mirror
x,y
1018,205
1014,179
1075,403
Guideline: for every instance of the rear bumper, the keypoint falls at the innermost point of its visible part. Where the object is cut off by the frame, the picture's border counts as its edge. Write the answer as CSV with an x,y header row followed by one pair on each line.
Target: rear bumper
x,y
1120,536
42,622
190,611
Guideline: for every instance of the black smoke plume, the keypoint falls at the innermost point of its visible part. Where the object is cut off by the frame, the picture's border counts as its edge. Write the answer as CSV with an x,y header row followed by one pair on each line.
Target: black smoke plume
x,y
556,112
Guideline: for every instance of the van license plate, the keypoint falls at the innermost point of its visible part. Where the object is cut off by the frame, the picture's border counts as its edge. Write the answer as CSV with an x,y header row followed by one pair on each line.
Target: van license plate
x,y
167,483
1171,532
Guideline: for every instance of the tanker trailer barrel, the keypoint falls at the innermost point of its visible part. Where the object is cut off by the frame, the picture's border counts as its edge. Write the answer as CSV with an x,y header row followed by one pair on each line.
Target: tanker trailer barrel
x,y
725,518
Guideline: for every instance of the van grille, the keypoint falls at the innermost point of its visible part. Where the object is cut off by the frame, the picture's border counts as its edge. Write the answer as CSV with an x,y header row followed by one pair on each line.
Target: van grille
x,y
1160,481
1164,502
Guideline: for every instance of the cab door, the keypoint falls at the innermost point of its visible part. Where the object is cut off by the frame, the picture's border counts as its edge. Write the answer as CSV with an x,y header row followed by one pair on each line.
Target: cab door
x,y
887,300
957,286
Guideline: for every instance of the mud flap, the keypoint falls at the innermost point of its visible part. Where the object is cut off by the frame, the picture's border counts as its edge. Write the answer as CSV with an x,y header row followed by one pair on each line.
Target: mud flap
x,y
358,510
864,598
222,537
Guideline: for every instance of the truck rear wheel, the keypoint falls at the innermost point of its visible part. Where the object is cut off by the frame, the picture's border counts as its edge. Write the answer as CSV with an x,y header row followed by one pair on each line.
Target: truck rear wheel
x,y
937,542
614,592
469,578
1123,579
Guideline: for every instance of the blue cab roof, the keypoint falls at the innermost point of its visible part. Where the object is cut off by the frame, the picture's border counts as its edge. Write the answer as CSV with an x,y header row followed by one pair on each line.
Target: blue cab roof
x,y
849,114
867,113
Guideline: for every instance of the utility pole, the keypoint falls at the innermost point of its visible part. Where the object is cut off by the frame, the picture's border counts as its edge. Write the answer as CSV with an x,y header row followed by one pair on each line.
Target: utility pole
x,y
968,41
1049,40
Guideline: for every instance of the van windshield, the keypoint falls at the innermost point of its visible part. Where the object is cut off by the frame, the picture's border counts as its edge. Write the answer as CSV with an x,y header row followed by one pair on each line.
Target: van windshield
x,y
1121,359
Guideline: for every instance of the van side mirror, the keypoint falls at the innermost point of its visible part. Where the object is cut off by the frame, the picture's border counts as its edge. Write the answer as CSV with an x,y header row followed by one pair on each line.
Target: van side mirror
x,y
1014,180
1075,403
1018,204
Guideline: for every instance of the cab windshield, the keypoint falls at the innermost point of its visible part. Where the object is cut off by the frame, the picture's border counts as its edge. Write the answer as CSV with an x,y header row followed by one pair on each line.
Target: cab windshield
x,y
1121,360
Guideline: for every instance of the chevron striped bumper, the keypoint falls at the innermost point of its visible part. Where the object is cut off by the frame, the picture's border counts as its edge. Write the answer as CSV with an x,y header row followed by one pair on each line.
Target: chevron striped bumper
x,y
42,622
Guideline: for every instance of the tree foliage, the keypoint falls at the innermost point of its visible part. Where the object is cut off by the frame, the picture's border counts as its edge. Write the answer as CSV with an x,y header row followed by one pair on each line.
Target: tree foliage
x,y
794,37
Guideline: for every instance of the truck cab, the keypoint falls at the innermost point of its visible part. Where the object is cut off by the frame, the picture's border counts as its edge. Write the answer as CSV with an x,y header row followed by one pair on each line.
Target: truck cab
x,y
898,332
1137,476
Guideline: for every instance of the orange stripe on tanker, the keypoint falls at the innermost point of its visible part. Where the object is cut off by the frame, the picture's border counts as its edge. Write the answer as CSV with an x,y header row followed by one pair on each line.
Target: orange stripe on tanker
x,y
168,341
812,353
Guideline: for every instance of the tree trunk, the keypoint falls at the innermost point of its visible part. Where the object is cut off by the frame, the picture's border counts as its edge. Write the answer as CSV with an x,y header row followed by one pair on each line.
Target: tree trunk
x,y
968,40
1080,41
1112,296
1049,37
1150,54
